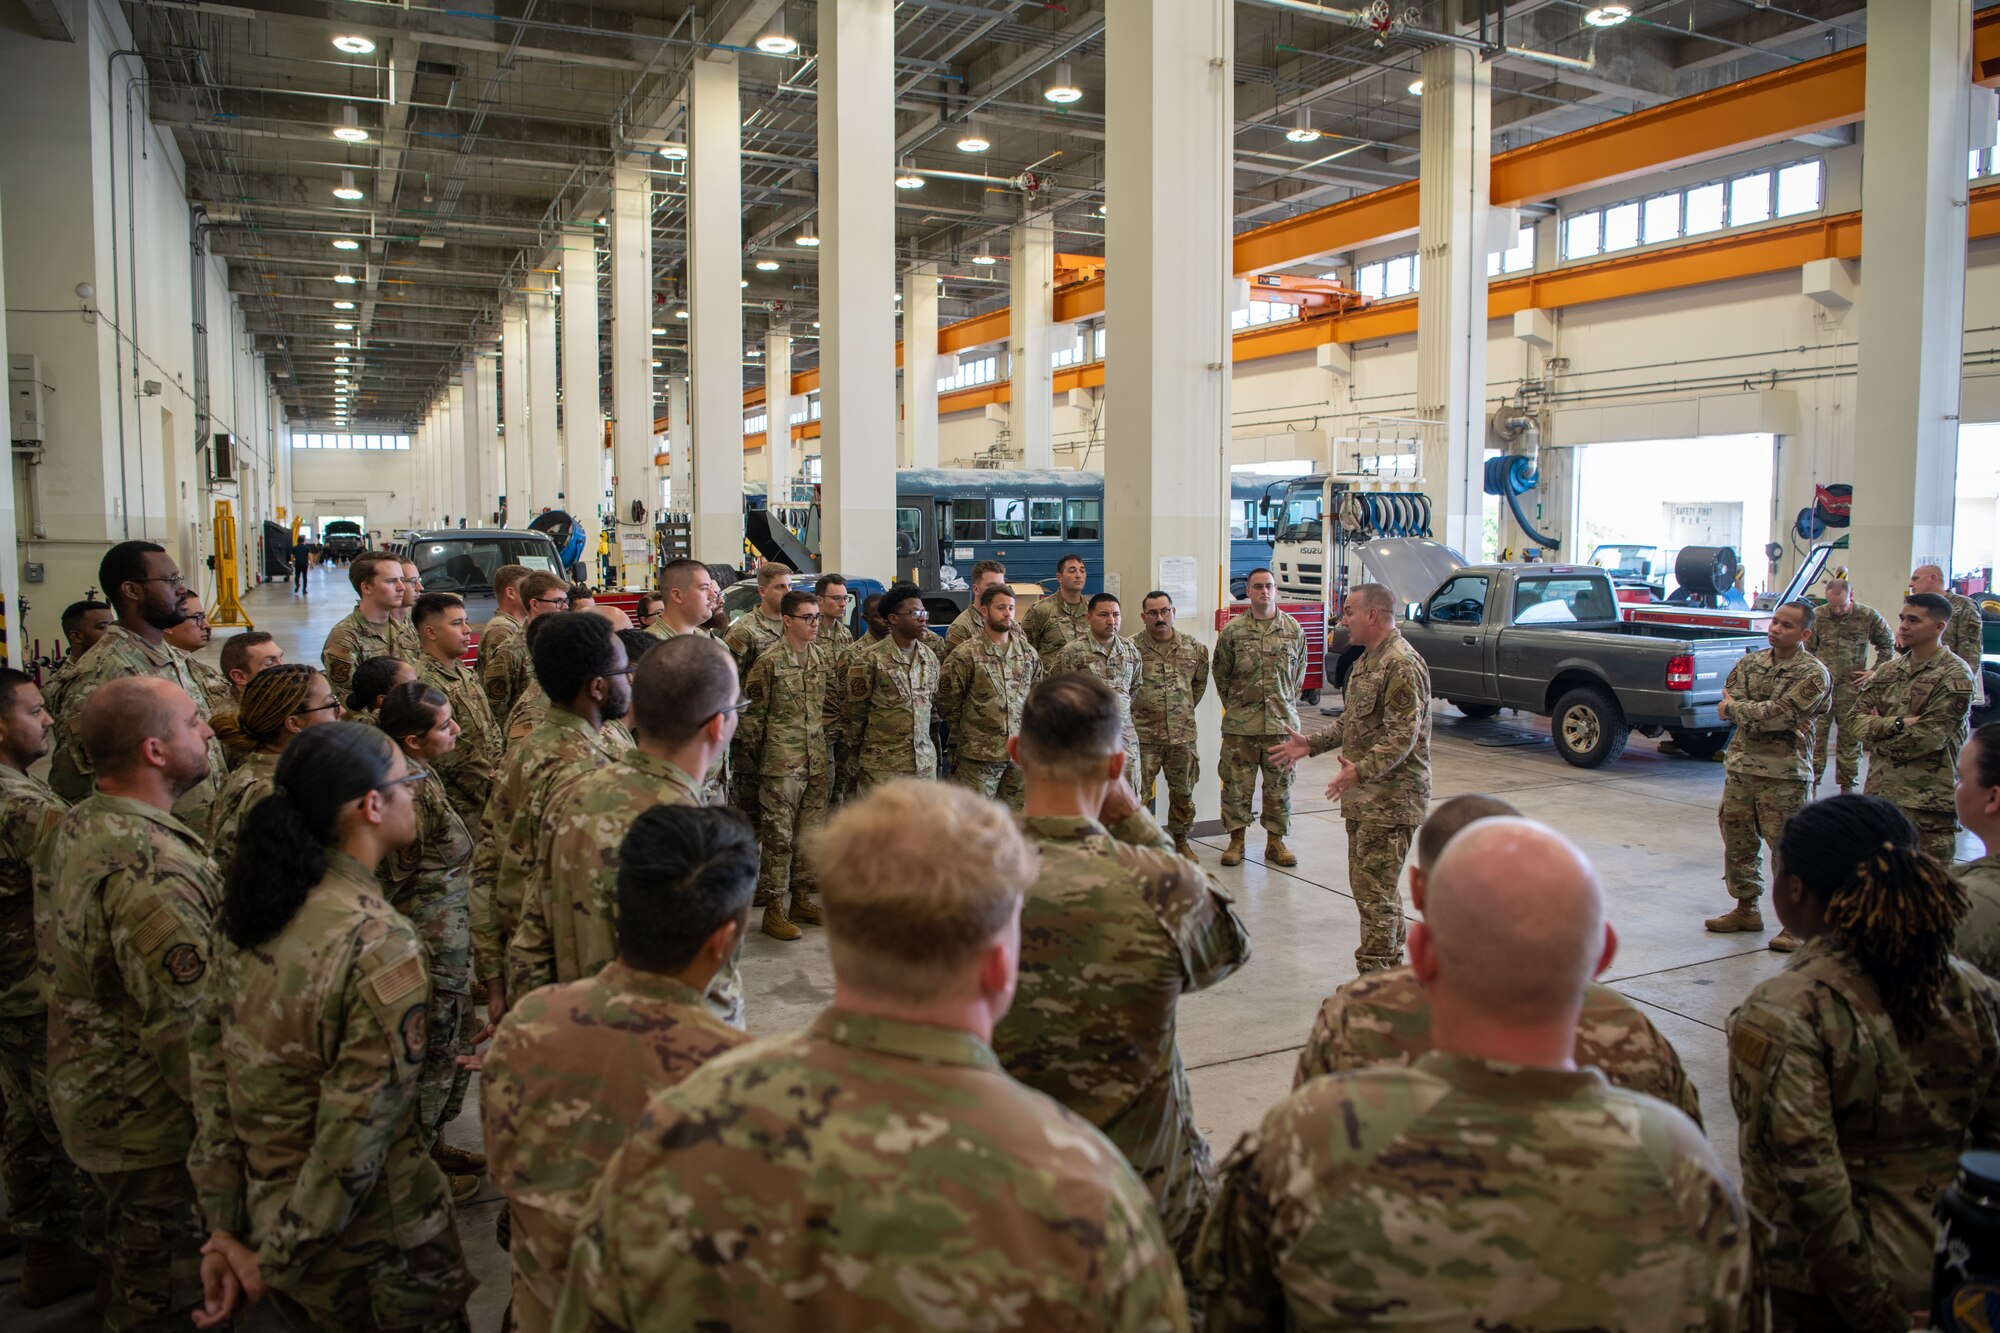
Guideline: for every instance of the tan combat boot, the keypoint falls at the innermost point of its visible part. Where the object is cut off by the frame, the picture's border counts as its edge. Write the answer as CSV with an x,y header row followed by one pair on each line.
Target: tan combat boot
x,y
1276,853
1743,916
463,1187
1233,856
779,926
804,911
457,1161
1182,847
51,1272
1783,942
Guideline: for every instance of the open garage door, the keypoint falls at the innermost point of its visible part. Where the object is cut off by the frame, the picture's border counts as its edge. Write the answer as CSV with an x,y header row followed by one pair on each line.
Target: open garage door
x,y
1639,502
1975,531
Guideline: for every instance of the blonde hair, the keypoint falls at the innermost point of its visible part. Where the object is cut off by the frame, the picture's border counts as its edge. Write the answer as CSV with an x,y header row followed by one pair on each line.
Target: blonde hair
x,y
771,571
902,921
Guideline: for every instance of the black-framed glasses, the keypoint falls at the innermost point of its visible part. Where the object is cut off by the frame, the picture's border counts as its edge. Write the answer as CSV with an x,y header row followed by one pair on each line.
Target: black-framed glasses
x,y
386,787
613,675
171,580
315,708
918,613
736,707
560,603
809,619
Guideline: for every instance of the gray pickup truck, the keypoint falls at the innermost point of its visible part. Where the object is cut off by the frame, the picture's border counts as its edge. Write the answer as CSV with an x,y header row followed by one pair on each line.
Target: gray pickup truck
x,y
1548,639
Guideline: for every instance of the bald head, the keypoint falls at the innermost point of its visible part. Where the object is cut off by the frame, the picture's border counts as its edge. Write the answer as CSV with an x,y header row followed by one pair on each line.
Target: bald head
x,y
122,715
1927,578
1515,922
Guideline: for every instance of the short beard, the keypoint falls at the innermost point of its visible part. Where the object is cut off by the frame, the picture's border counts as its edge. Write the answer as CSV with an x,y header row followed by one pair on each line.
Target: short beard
x,y
165,620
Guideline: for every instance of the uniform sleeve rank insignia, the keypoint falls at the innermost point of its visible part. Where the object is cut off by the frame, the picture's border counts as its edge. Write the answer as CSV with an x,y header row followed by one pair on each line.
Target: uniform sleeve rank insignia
x,y
184,964
416,1033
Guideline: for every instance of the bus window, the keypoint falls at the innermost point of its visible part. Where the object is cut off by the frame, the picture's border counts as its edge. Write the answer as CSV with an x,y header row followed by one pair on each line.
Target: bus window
x,y
968,520
1010,520
1084,516
1239,519
909,532
1045,519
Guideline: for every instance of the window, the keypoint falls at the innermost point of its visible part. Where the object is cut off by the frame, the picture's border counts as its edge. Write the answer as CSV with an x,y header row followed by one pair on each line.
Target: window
x,y
1262,312
756,425
1239,519
1798,188
909,532
1459,602
1581,235
1662,220
968,520
1519,259
1399,276
983,371
1010,520
1983,162
1045,520
467,564
1621,227
1750,199
1368,281
1704,209
321,440
1085,517
1559,600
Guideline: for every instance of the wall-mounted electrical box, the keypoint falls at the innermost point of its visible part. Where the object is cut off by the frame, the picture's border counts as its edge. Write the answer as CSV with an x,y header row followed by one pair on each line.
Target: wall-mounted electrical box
x,y
27,414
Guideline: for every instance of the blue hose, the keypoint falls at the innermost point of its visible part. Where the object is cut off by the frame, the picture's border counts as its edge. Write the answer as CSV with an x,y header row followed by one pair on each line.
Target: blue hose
x,y
1513,476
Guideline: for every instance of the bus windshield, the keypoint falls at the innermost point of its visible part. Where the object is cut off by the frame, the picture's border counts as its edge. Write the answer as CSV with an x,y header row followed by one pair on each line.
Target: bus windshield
x,y
1302,513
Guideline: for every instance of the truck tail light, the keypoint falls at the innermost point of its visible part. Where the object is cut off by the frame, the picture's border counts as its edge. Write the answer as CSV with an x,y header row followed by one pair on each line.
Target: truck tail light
x,y
1680,672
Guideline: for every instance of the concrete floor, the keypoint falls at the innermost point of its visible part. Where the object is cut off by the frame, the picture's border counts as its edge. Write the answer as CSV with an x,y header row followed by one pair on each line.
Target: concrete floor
x,y
1648,823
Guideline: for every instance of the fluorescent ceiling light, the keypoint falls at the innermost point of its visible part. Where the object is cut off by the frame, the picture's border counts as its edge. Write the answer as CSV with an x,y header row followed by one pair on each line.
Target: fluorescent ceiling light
x,y
674,152
340,360
353,45
343,305
345,244
349,129
1102,210
767,266
807,237
970,140
1416,87
907,178
774,40
659,333
1608,16
342,346
342,328
346,189
344,278
1063,90
1301,130
985,257
680,314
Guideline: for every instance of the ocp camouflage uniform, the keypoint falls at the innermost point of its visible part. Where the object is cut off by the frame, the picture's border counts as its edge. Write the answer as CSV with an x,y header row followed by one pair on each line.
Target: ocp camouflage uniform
x,y
1917,768
750,637
1460,1193
1978,937
884,726
214,684
251,782
569,915
1116,664
65,751
1773,705
836,697
1965,632
1115,929
305,1057
715,784
563,748
965,625
1259,665
1052,624
898,1181
427,882
981,692
1842,643
1384,1018
123,919
1385,732
409,643
356,639
1173,678
600,1048
834,636
501,670
1851,1131
43,1199
467,770
780,746
121,653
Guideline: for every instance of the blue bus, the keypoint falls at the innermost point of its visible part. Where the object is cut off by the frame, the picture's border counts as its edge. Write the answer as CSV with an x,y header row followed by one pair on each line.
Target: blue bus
x,y
1030,519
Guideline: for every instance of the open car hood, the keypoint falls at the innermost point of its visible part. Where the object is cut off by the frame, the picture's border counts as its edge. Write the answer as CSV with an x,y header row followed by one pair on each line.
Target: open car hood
x,y
1410,567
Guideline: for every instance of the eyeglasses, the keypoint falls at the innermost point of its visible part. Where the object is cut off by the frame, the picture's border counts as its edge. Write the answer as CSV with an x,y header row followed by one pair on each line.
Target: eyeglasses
x,y
171,580
613,675
811,619
918,614
736,707
386,787
316,708
561,603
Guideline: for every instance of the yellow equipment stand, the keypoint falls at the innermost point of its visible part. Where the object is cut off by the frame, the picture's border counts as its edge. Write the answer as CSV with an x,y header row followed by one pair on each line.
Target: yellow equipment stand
x,y
228,608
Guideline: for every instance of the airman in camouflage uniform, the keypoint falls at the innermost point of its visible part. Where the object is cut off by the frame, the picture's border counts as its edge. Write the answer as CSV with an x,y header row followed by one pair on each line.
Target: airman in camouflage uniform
x,y
65,778
835,606
1978,938
856,1144
972,620
356,639
1112,660
781,746
496,667
1384,1018
1842,633
1912,716
249,784
1773,698
1850,1130
980,694
1384,784
1964,632
750,637
1114,931
305,1062
121,653
1062,617
467,768
1173,678
427,882
126,910
885,710
1260,662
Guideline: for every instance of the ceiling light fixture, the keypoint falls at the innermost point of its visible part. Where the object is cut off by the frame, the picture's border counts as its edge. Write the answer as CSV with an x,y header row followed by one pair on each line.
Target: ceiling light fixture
x,y
659,333
344,244
1416,87
1101,210
354,45
344,278
1608,16
343,346
343,305
807,237
674,152
985,257
680,314
767,266
349,130
340,360
970,140
347,188
907,178
1302,130
342,328
1063,90
774,40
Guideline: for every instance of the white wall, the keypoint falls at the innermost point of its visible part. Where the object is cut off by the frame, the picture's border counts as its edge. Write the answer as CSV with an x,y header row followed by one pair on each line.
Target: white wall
x,y
386,486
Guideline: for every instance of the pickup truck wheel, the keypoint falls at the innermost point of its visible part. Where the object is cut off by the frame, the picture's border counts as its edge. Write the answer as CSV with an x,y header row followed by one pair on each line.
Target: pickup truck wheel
x,y
1589,728
1478,712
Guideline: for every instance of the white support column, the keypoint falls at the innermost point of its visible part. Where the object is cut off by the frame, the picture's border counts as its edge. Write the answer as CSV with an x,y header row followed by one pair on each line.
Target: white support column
x,y
486,443
632,404
1031,390
1170,107
514,413
920,358
1912,307
457,504
582,422
715,308
544,440
1456,167
778,409
680,443
471,423
857,274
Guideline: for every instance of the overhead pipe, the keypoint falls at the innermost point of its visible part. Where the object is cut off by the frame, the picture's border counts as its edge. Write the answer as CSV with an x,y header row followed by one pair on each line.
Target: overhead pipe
x,y
1356,19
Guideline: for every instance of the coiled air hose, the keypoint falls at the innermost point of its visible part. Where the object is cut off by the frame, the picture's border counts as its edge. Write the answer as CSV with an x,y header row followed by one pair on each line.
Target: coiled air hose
x,y
1513,476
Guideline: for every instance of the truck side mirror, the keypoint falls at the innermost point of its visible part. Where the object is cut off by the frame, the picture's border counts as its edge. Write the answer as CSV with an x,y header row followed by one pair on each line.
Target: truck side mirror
x,y
1414,611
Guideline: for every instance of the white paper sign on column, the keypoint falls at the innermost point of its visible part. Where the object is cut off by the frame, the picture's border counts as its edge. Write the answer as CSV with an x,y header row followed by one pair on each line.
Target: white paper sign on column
x,y
1178,581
